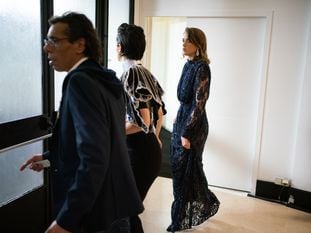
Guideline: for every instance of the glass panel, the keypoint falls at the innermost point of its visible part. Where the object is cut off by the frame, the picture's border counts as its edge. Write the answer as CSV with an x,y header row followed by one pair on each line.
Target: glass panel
x,y
20,65
15,183
166,60
118,13
20,88
86,7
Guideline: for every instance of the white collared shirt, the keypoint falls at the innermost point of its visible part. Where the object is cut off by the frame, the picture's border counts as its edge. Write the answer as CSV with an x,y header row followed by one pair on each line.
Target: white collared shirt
x,y
128,63
78,63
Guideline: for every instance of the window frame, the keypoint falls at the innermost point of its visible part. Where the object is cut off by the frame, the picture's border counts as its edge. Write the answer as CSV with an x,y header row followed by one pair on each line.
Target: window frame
x,y
19,132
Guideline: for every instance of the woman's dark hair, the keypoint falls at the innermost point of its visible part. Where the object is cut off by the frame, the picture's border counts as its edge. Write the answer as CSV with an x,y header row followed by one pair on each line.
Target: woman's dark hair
x,y
132,41
197,37
79,26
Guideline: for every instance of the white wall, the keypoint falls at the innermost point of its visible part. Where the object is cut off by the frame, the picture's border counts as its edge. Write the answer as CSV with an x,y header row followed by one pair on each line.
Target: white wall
x,y
285,149
300,172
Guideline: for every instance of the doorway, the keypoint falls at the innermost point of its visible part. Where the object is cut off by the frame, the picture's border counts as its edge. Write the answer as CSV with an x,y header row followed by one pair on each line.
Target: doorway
x,y
237,48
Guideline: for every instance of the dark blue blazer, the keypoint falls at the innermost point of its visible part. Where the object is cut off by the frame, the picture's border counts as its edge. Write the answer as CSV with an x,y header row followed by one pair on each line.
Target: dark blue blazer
x,y
92,181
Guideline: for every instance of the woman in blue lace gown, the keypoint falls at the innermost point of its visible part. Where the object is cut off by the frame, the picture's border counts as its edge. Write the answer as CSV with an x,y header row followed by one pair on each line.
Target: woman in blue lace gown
x,y
193,201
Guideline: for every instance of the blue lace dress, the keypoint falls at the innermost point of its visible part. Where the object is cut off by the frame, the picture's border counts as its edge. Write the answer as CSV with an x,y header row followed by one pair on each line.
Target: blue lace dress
x,y
193,201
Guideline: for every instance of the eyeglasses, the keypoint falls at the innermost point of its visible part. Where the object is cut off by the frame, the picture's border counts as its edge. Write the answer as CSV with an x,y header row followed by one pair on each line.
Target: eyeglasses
x,y
53,41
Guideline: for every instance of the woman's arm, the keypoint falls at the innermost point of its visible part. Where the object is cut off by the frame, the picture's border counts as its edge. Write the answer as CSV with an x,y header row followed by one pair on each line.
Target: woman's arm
x,y
159,122
159,125
201,94
133,128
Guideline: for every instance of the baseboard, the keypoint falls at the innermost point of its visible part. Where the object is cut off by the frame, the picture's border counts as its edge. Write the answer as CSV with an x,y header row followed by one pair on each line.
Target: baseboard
x,y
291,197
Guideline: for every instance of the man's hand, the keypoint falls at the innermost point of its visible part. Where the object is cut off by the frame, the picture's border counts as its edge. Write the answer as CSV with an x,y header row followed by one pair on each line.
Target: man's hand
x,y
32,163
55,228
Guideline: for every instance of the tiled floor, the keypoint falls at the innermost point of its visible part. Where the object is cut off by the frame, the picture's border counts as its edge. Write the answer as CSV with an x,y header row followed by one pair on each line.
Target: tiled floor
x,y
237,214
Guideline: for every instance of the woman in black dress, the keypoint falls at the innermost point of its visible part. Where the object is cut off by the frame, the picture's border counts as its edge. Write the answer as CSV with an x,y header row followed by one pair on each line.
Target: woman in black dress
x,y
193,201
145,109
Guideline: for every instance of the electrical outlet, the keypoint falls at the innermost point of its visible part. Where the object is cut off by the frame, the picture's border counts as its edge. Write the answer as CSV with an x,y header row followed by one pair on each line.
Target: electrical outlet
x,y
285,182
278,181
282,181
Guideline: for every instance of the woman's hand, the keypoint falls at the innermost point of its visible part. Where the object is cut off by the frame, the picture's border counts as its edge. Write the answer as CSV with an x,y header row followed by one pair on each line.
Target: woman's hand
x,y
185,143
160,143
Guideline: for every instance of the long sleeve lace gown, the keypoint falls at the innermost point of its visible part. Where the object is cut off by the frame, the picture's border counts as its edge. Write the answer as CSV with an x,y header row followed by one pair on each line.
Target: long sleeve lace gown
x,y
193,201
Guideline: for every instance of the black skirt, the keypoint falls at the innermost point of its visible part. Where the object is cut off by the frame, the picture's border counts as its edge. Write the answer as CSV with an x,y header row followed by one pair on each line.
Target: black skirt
x,y
146,157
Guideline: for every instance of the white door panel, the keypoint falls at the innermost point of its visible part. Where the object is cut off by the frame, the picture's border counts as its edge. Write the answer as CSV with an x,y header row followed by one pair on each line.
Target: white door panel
x,y
236,51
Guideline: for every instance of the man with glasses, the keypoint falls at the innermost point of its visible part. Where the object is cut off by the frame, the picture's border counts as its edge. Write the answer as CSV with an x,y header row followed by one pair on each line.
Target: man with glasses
x,y
93,188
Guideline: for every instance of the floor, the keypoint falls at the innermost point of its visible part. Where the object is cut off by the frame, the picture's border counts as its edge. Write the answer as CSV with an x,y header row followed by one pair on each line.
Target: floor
x,y
238,213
